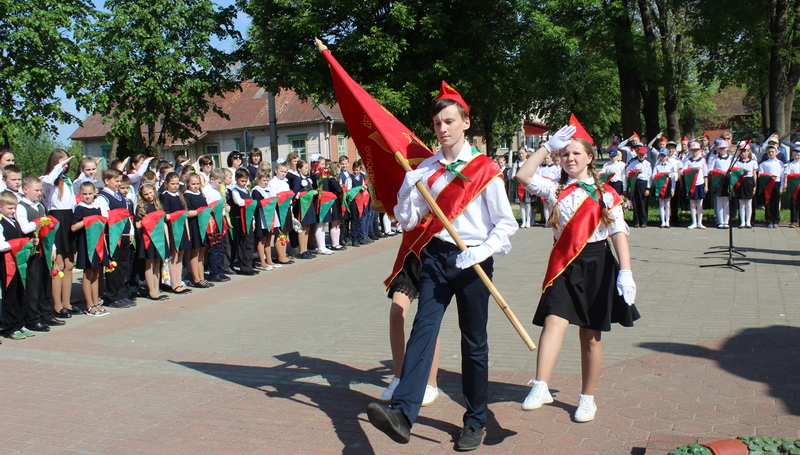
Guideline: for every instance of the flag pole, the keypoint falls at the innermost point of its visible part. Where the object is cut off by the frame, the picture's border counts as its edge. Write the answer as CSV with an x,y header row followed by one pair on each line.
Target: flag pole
x,y
462,246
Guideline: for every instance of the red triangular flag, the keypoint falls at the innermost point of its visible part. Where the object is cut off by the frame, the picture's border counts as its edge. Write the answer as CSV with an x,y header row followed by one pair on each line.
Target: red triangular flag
x,y
580,131
377,135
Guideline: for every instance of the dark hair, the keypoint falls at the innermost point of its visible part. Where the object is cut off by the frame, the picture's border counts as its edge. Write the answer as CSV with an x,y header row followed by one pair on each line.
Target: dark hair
x,y
440,104
255,152
231,156
242,172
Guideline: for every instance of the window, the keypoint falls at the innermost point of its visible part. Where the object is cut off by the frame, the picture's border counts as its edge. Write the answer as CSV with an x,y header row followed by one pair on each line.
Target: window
x,y
105,151
212,150
297,144
341,145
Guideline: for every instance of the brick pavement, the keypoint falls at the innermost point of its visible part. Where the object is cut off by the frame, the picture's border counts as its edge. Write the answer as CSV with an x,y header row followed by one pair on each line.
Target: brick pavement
x,y
286,362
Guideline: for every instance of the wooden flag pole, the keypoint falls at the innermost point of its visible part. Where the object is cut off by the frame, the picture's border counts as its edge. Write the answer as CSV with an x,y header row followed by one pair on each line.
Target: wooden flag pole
x,y
485,278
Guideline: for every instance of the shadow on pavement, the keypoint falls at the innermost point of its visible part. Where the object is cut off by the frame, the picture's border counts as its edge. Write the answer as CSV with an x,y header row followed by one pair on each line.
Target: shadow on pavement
x,y
770,355
326,385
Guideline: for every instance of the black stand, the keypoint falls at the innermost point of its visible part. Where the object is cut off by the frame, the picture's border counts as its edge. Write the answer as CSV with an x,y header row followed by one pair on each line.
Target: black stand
x,y
731,263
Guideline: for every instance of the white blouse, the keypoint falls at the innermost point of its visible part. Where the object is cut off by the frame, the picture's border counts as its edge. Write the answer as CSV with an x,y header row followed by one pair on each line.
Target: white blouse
x,y
546,188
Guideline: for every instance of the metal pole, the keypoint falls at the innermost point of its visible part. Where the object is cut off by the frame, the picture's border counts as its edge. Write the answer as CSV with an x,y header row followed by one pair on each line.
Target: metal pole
x,y
273,129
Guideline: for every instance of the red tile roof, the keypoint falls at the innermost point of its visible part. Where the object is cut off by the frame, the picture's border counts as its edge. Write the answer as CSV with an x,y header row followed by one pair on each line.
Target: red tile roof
x,y
247,109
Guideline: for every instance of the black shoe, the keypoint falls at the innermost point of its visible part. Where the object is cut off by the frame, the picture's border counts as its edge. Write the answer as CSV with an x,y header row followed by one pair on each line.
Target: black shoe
x,y
131,300
121,303
229,271
306,255
285,262
38,327
470,438
201,284
246,272
355,244
366,241
374,237
219,279
64,313
54,321
390,421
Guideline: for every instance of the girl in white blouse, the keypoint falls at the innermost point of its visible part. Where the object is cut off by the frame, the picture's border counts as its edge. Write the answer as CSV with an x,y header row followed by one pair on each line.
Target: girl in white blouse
x,y
584,285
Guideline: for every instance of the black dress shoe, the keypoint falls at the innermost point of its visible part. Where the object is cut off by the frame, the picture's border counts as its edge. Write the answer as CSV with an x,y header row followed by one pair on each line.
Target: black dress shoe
x,y
64,313
470,438
390,421
38,327
218,279
54,321
247,272
229,271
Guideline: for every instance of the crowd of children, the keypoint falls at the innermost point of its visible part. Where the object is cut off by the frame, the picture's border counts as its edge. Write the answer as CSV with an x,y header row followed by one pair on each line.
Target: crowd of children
x,y
686,178
136,232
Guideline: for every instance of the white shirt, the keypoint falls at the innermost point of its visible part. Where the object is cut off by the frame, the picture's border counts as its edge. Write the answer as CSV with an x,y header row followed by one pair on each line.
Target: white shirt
x,y
567,206
103,204
618,168
27,226
774,167
698,163
277,185
211,193
750,166
644,166
719,163
667,166
53,199
487,219
792,167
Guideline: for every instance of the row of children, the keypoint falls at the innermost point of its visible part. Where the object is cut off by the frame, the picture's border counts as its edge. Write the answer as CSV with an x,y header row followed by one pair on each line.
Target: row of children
x,y
129,224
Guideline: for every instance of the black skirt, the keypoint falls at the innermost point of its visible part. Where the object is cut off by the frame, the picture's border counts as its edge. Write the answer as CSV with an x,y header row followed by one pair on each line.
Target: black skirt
x,y
407,280
745,190
65,238
585,294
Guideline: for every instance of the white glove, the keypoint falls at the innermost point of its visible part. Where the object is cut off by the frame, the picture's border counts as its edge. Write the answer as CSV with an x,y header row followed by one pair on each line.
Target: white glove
x,y
626,287
473,255
561,139
411,179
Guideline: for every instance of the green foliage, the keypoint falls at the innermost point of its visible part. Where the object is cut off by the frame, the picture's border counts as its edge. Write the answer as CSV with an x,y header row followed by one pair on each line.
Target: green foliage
x,y
37,56
31,152
154,68
493,52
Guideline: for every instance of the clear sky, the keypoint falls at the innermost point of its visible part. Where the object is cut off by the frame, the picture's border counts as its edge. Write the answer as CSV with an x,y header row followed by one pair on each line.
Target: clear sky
x,y
66,129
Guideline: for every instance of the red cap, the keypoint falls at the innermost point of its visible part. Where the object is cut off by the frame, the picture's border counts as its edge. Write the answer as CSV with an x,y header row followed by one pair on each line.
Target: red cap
x,y
447,91
580,131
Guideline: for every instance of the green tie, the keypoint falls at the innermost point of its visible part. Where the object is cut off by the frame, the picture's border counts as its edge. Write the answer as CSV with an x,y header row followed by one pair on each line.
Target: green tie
x,y
590,189
452,168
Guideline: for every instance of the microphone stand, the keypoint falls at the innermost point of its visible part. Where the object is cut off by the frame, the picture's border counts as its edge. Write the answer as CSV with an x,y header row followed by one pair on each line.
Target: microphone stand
x,y
731,263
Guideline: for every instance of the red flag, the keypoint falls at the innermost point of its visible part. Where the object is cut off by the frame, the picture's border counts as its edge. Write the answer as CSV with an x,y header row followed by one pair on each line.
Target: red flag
x,y
377,135
580,131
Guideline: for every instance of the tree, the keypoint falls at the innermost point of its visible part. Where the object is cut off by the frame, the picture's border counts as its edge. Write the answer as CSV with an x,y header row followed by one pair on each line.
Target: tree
x,y
37,56
400,51
31,152
155,68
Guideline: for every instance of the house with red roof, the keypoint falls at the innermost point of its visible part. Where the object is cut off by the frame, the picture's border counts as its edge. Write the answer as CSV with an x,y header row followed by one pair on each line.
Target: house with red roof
x,y
302,128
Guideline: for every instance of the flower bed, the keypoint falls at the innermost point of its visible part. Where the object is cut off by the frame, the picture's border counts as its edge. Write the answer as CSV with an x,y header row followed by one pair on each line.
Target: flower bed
x,y
749,445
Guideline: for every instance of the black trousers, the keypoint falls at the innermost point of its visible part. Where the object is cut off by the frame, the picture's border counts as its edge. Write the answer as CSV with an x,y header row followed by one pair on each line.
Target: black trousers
x,y
117,287
440,280
14,308
243,243
772,210
38,287
639,203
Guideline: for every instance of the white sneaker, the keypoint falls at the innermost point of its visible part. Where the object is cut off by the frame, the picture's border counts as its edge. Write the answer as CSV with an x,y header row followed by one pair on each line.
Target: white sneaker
x,y
431,394
387,394
325,251
586,408
701,226
691,226
538,396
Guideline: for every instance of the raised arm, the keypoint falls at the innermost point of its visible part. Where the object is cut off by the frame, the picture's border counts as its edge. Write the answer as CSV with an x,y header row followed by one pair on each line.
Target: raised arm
x,y
556,142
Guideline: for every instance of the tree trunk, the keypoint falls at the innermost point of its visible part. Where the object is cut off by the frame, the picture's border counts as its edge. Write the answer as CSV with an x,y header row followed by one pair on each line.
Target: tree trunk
x,y
629,83
778,68
671,67
651,73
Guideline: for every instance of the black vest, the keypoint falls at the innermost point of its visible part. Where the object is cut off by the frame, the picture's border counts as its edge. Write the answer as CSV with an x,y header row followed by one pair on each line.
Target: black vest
x,y
33,213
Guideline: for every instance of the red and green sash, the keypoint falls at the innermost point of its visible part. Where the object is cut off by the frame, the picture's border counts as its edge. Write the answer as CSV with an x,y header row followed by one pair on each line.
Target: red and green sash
x,y
248,212
95,226
737,177
453,200
326,201
268,206
632,176
793,186
766,182
349,195
153,232
284,214
715,178
361,201
661,184
305,199
520,192
177,220
47,238
16,259
117,220
690,177
204,218
577,231
606,176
